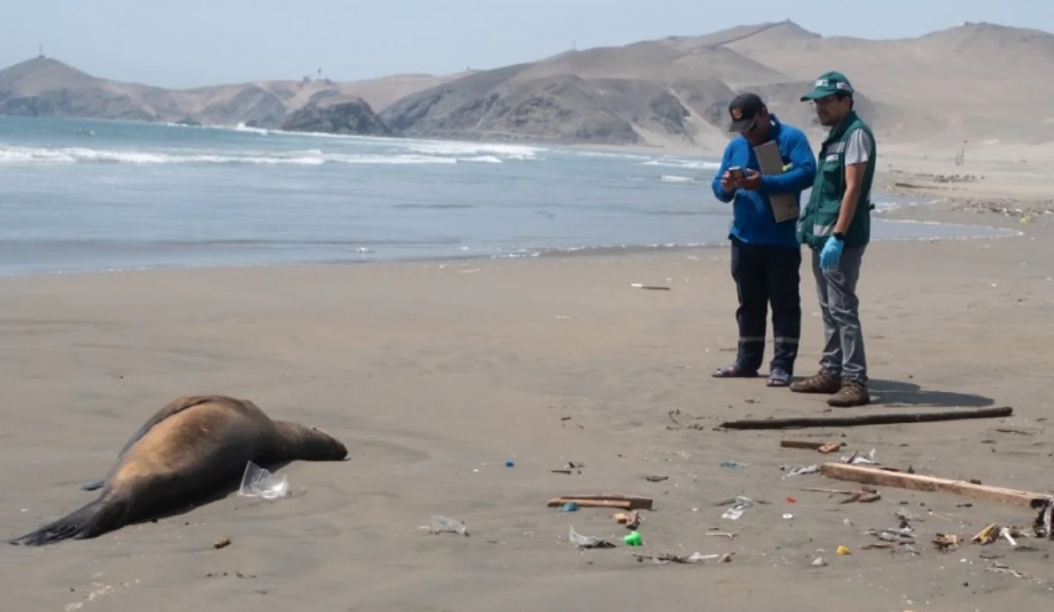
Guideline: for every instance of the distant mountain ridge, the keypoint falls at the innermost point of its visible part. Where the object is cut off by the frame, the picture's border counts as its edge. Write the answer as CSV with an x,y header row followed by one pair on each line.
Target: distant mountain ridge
x,y
966,82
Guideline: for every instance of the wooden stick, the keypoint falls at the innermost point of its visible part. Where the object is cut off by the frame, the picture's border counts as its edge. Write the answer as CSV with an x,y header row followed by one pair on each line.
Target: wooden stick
x,y
870,419
801,445
917,482
626,502
589,503
822,447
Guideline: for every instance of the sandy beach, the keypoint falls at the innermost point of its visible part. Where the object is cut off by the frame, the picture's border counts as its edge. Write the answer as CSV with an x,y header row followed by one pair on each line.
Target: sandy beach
x,y
437,374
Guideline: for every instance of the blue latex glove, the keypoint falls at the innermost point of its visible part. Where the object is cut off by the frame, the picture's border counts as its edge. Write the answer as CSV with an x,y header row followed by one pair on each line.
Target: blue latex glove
x,y
831,253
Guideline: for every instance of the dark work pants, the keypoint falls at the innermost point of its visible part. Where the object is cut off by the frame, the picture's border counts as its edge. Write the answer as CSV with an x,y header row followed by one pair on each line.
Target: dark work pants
x,y
767,275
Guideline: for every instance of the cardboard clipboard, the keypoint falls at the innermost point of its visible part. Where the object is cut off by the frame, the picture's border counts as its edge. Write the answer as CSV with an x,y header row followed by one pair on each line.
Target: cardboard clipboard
x,y
784,205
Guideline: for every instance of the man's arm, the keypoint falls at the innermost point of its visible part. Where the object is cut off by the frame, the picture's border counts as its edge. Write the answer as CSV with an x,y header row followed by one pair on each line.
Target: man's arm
x,y
802,172
719,191
858,152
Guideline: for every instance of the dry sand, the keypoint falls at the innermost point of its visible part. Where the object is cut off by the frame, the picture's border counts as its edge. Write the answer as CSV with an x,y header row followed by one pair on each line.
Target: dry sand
x,y
436,374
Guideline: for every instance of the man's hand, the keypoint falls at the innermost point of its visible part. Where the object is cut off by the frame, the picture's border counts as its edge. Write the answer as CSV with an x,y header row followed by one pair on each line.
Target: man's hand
x,y
727,182
831,253
751,181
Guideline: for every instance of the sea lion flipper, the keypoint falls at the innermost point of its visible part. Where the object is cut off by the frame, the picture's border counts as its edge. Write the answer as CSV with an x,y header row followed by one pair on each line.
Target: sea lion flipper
x,y
174,407
88,521
95,484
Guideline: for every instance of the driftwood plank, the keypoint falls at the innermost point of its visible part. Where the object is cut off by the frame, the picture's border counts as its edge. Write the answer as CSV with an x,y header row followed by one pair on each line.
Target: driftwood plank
x,y
917,482
870,419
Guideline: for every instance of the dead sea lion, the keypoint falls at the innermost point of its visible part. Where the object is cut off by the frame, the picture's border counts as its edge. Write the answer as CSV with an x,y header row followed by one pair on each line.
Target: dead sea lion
x,y
188,450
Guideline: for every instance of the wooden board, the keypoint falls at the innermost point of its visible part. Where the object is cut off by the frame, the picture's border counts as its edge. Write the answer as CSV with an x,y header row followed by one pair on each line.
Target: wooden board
x,y
870,419
917,482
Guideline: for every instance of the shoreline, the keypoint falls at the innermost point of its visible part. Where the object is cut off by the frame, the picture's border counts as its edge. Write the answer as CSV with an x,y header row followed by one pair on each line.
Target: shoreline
x,y
591,252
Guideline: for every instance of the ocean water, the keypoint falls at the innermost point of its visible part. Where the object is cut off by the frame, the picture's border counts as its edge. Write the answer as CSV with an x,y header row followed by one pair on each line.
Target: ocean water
x,y
80,195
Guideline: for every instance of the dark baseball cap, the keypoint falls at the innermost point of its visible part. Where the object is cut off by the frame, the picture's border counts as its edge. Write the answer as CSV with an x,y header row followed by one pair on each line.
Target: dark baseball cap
x,y
744,109
829,83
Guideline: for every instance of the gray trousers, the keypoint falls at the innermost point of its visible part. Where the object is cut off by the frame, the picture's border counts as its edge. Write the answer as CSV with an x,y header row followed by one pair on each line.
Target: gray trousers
x,y
843,347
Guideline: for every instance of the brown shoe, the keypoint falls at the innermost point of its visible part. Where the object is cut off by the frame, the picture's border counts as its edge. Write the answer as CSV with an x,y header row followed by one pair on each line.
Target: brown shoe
x,y
851,394
821,382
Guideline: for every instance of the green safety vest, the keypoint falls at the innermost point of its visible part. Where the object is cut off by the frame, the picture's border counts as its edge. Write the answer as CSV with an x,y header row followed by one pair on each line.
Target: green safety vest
x,y
817,221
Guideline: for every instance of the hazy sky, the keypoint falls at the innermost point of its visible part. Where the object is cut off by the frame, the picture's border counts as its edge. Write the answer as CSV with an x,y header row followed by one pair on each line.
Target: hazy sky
x,y
183,43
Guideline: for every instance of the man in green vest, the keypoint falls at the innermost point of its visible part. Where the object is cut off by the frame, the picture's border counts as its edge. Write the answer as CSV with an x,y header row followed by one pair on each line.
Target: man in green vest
x,y
836,226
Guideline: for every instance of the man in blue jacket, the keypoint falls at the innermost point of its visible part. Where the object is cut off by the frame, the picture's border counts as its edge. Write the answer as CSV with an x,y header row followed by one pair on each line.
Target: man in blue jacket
x,y
766,255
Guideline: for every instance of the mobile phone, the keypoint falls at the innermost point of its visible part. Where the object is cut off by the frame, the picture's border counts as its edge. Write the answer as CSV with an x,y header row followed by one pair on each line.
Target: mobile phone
x,y
735,172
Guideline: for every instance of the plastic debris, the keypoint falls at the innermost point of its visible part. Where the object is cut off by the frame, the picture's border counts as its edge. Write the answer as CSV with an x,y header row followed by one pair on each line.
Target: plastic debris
x,y
694,558
733,465
569,507
819,562
584,541
632,539
445,524
738,507
842,550
858,459
799,470
258,482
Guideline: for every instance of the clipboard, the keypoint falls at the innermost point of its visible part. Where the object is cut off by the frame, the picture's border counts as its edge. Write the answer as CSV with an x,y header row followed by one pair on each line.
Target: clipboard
x,y
784,205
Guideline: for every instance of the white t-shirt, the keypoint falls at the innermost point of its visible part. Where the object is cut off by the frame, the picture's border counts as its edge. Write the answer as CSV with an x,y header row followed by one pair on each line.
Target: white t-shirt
x,y
859,148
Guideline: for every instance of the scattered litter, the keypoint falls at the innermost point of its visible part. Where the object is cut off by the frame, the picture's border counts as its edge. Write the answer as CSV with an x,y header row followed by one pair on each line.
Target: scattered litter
x,y
656,478
221,542
571,466
569,507
842,550
1044,523
858,459
649,287
258,482
946,542
733,465
788,516
631,519
443,524
722,534
866,496
904,535
819,562
510,464
632,539
582,541
738,507
1001,568
800,470
694,558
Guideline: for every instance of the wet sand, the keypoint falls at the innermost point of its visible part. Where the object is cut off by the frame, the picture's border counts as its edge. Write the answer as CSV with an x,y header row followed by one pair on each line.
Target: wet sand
x,y
435,375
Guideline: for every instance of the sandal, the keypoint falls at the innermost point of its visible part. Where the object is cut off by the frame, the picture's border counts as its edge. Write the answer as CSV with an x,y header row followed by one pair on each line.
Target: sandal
x,y
779,377
733,371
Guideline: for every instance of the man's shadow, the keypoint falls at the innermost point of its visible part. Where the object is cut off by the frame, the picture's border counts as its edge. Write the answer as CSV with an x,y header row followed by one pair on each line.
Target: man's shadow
x,y
896,393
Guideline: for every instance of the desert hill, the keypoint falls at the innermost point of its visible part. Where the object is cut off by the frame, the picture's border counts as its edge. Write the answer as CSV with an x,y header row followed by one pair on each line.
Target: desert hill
x,y
975,82
44,86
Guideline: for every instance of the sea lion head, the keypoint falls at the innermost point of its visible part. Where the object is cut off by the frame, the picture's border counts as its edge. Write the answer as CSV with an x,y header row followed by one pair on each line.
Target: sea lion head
x,y
309,443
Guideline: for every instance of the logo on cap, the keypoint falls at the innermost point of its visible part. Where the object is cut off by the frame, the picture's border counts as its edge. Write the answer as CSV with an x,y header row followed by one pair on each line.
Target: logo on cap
x,y
737,113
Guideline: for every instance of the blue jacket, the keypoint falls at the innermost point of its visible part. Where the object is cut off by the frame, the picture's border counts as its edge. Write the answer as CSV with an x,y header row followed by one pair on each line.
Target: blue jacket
x,y
752,218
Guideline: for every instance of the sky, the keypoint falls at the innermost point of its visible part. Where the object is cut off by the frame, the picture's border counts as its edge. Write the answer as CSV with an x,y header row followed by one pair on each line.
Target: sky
x,y
189,43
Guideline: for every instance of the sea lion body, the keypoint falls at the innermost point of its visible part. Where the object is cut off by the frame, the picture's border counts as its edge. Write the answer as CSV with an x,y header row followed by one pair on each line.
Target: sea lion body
x,y
188,450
